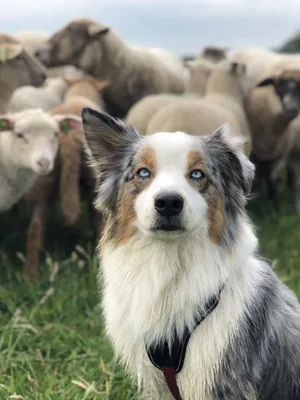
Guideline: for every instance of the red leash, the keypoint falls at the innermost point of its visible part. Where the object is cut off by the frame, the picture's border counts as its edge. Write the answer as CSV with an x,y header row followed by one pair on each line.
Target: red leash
x,y
170,378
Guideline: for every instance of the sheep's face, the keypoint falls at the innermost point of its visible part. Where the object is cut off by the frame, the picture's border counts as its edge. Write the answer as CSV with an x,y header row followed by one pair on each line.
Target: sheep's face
x,y
71,44
288,92
18,67
32,140
167,185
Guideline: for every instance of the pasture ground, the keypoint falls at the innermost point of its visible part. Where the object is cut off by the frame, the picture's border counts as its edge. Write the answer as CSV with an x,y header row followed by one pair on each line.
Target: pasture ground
x,y
52,340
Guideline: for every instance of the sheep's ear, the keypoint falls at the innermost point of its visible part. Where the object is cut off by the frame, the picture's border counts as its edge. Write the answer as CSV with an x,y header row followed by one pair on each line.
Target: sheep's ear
x,y
95,29
9,51
5,124
100,85
232,162
68,122
266,82
104,137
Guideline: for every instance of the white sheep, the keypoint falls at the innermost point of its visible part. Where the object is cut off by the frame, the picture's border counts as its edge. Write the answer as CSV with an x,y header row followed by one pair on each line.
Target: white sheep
x,y
99,51
28,147
45,97
144,110
226,91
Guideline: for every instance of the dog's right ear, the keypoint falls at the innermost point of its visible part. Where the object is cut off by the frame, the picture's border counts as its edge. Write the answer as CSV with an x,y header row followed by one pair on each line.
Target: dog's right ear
x,y
107,143
266,82
104,137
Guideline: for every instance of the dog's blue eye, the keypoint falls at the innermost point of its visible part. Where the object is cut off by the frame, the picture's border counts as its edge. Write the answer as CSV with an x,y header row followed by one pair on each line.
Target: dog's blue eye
x,y
196,174
143,173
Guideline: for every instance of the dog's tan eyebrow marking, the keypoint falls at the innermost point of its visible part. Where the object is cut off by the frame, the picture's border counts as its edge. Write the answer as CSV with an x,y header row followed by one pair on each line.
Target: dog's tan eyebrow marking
x,y
195,161
147,159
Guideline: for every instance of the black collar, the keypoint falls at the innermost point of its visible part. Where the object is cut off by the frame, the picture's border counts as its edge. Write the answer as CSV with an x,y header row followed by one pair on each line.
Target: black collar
x,y
162,356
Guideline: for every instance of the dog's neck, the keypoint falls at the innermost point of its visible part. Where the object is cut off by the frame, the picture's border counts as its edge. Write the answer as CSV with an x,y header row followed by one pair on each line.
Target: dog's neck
x,y
149,283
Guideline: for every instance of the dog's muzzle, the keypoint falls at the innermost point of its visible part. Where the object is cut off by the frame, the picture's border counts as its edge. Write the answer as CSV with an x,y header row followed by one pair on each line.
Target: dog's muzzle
x,y
168,207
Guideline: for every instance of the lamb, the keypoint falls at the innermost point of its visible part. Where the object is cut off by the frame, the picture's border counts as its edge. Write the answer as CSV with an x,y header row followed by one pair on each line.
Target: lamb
x,y
227,89
17,68
28,146
270,108
99,51
47,188
144,110
48,96
71,172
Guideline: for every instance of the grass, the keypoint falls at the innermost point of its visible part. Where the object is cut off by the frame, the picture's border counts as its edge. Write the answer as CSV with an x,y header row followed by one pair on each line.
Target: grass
x,y
52,341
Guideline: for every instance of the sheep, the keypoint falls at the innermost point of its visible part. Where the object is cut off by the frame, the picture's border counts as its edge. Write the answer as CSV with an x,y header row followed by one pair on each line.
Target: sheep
x,y
46,97
17,68
226,90
99,51
59,183
214,53
270,108
28,146
144,110
70,174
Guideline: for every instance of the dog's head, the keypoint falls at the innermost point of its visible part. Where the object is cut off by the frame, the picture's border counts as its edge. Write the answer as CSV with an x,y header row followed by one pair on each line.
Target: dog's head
x,y
167,185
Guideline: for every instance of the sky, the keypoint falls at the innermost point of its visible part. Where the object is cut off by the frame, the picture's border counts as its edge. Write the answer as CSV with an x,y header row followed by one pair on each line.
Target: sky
x,y
182,26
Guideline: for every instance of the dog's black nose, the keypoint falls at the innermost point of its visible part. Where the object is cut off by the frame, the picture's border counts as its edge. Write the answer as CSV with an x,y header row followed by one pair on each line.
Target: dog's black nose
x,y
168,204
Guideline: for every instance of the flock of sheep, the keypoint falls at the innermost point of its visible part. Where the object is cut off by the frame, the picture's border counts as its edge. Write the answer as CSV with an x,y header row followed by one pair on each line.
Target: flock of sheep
x,y
46,81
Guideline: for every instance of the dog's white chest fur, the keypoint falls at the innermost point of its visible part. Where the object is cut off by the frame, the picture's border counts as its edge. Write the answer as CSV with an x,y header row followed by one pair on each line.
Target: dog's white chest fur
x,y
150,288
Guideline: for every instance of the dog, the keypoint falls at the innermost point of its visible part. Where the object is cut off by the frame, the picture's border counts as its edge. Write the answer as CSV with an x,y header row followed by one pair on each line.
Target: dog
x,y
193,311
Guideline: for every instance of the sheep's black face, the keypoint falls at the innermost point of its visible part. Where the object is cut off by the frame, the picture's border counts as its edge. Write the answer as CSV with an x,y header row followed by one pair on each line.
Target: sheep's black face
x,y
288,91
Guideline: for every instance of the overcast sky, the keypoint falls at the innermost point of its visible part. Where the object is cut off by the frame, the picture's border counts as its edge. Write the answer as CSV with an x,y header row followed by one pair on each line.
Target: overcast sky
x,y
182,26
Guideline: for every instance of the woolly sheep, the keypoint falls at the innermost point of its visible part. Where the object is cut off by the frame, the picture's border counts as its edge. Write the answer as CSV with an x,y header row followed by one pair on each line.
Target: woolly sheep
x,y
28,146
17,68
46,97
144,110
227,88
99,51
270,108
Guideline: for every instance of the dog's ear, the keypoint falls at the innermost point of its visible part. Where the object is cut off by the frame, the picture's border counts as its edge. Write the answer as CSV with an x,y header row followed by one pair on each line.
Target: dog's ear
x,y
107,144
231,161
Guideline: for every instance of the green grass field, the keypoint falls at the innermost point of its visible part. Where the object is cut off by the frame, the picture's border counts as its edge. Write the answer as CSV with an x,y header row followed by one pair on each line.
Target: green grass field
x,y
52,341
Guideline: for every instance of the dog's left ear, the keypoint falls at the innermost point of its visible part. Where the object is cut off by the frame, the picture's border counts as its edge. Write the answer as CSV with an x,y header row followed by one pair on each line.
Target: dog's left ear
x,y
233,163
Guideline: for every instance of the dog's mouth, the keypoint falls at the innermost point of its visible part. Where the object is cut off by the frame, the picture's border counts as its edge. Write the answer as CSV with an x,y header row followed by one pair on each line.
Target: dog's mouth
x,y
166,225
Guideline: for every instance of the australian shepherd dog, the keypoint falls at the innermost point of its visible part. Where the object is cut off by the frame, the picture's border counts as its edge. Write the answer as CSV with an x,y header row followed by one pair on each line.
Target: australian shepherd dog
x,y
193,311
